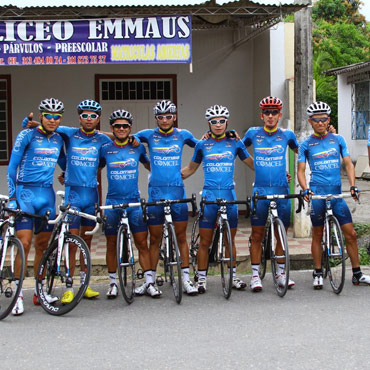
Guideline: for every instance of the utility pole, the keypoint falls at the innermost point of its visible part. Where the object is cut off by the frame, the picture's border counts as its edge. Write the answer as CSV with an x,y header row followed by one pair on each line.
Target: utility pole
x,y
303,96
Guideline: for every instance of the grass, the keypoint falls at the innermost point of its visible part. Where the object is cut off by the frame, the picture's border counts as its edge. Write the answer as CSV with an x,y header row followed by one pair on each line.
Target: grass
x,y
363,230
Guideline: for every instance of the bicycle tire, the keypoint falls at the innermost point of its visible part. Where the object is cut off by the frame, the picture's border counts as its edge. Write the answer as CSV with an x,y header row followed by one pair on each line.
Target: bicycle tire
x,y
336,256
55,282
280,288
194,246
324,262
226,262
174,264
265,252
9,291
125,265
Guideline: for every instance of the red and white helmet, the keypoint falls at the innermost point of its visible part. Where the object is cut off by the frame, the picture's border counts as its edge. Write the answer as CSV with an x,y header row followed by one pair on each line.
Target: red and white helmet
x,y
271,102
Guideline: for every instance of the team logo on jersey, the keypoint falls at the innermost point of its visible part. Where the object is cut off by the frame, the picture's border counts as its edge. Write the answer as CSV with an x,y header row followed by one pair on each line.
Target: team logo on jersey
x,y
47,151
325,153
219,156
278,138
274,149
130,162
331,141
84,151
259,141
166,150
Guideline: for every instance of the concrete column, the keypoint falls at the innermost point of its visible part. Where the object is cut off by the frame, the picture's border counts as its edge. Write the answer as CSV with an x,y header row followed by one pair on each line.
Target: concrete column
x,y
303,96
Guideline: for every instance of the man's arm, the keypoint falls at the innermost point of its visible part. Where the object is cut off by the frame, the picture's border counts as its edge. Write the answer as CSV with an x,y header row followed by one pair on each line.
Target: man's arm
x,y
189,169
249,162
301,175
350,169
147,165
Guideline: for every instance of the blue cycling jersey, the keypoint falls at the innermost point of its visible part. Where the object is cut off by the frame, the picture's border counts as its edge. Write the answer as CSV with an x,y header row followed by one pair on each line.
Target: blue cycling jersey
x,y
165,152
269,152
218,157
323,155
82,155
123,169
36,155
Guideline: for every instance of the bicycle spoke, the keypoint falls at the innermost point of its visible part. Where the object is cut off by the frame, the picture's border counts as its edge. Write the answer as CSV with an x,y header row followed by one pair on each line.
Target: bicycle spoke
x,y
226,259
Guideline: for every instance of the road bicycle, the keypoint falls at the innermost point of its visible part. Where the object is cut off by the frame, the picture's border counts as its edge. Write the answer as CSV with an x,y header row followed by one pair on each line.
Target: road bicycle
x,y
125,252
333,251
54,276
169,250
221,249
276,241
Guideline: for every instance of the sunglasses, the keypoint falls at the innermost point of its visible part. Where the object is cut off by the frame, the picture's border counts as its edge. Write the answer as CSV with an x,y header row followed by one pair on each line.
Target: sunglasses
x,y
267,112
221,121
121,125
89,115
50,116
317,120
170,116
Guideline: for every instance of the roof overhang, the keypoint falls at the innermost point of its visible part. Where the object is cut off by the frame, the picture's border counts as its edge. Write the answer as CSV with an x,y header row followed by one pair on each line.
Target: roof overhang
x,y
252,17
349,68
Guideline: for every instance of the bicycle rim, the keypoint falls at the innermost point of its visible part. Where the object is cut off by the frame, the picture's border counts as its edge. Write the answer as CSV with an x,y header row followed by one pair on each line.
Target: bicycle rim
x,y
336,256
194,246
265,252
174,264
55,282
324,262
125,265
282,259
226,260
9,290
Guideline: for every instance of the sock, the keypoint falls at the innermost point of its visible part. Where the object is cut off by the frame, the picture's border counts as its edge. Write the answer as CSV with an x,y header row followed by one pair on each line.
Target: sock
x,y
318,271
153,276
185,274
234,271
357,272
281,268
112,278
255,270
21,292
148,277
202,274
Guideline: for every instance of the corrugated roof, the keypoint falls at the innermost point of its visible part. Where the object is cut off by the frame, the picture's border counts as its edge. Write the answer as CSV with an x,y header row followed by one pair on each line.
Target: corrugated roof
x,y
82,3
349,68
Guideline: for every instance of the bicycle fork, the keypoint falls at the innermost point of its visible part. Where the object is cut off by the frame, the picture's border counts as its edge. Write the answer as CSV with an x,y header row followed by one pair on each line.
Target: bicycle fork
x,y
273,215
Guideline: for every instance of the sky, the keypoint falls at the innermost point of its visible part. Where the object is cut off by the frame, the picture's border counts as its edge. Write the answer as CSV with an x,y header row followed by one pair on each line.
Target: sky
x,y
365,10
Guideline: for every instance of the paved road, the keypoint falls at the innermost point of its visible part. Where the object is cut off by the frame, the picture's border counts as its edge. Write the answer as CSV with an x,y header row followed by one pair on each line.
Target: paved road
x,y
305,330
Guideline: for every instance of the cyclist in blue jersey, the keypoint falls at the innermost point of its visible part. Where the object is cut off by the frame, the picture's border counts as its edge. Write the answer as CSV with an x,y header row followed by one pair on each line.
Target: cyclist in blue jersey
x,y
165,145
218,154
30,181
83,145
122,161
270,145
323,152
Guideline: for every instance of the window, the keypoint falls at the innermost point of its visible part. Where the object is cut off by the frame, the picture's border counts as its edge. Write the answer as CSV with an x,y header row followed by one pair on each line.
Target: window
x,y
5,119
360,110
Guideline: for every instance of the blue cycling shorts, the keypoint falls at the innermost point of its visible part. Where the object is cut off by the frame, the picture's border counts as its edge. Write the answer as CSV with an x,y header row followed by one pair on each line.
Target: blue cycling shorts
x,y
113,216
339,206
208,220
82,199
36,200
179,211
283,206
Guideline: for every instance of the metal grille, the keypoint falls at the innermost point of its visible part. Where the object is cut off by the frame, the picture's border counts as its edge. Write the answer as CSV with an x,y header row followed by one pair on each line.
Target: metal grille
x,y
136,89
360,96
3,120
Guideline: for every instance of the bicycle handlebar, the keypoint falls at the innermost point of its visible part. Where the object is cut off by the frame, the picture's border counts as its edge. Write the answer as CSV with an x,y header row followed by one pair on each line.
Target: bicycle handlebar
x,y
18,212
219,202
168,202
121,205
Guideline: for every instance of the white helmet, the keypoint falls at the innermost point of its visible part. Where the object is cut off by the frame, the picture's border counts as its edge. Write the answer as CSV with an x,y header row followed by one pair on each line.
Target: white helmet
x,y
164,106
120,114
318,107
217,111
51,105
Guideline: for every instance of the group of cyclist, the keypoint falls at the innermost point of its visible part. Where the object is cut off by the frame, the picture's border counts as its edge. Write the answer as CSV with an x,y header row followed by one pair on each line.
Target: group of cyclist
x,y
82,151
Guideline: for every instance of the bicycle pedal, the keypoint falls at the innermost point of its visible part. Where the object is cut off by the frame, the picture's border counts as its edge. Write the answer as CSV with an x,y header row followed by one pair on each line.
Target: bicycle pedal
x,y
159,280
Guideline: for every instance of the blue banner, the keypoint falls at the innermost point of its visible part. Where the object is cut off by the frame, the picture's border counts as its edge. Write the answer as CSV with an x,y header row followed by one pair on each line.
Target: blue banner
x,y
161,39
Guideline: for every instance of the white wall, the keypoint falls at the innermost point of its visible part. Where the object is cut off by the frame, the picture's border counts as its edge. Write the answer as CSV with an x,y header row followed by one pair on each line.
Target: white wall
x,y
221,75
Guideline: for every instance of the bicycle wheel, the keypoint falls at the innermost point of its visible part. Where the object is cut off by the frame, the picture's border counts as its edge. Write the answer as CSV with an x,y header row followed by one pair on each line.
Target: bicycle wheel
x,y
54,281
9,291
125,265
174,264
336,256
226,259
194,246
280,263
324,261
265,253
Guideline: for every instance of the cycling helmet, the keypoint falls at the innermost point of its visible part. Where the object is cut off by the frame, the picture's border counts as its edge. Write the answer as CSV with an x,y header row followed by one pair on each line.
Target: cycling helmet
x,y
120,114
271,102
51,105
164,106
318,107
217,111
90,105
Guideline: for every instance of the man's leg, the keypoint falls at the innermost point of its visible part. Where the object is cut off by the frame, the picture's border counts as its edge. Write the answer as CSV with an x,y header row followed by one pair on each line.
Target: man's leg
x,y
111,259
256,253
205,240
